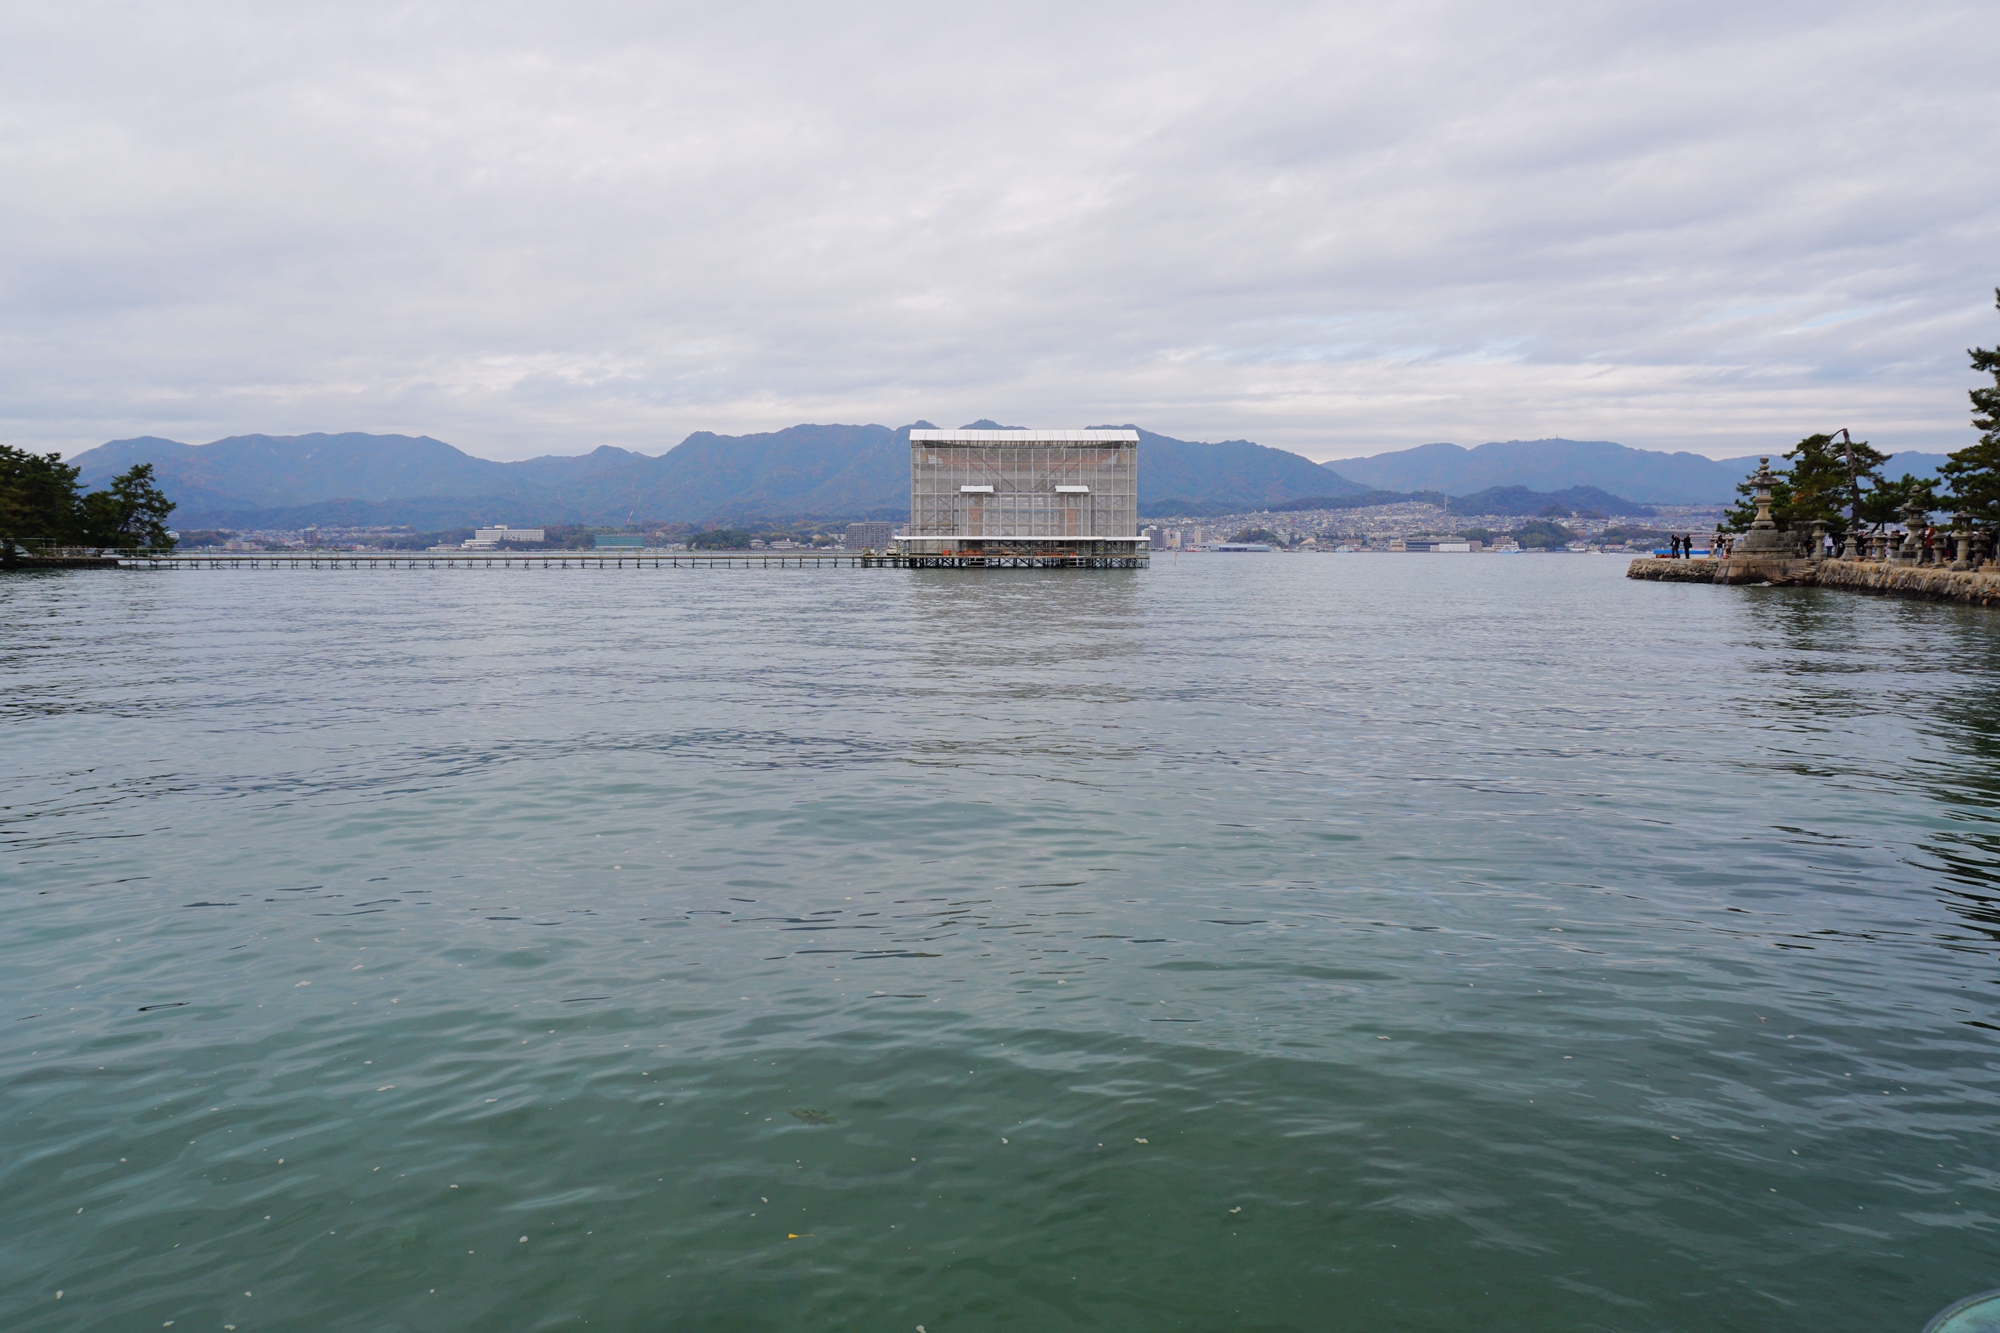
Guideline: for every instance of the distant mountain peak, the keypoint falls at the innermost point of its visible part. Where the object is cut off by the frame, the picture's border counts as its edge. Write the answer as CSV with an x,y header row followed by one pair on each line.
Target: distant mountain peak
x,y
1551,464
981,424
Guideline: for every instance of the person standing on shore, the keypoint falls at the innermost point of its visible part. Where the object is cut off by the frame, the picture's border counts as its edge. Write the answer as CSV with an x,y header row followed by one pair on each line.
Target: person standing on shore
x,y
1673,546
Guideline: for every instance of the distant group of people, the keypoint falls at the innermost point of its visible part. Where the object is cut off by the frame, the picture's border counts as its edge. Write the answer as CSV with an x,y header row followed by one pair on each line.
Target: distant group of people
x,y
1682,545
1935,547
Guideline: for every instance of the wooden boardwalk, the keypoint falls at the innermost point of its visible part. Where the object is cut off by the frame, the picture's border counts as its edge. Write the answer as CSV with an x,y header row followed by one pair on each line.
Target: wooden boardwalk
x,y
507,560
613,560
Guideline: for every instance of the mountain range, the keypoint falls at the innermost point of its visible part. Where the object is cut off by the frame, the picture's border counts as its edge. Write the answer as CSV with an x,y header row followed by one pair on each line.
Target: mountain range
x,y
1641,475
802,472
838,472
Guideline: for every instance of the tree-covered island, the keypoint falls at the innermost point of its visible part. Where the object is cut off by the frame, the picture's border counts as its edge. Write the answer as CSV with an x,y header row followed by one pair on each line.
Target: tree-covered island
x,y
42,508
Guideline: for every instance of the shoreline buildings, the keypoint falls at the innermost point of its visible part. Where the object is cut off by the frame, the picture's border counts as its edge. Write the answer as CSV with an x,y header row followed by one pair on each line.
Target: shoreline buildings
x,y
1040,496
870,536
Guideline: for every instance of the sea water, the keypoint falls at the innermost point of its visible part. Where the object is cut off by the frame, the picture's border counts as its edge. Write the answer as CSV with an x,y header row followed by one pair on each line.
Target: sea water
x,y
1247,942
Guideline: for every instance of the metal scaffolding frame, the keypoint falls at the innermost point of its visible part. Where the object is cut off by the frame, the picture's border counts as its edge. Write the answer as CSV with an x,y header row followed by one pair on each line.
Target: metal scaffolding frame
x,y
1024,498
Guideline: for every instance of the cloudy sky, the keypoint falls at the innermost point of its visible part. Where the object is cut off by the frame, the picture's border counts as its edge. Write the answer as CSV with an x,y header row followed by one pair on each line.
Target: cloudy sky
x,y
1337,228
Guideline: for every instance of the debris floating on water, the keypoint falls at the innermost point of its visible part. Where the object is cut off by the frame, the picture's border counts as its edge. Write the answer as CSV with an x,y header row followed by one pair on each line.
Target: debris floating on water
x,y
814,1117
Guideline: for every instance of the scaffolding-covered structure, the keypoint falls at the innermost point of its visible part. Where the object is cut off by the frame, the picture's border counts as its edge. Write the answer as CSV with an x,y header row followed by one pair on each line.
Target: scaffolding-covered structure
x,y
1024,497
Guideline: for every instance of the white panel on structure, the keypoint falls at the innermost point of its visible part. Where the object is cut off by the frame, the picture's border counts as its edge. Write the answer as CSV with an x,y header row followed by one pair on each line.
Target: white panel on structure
x,y
1072,490
975,490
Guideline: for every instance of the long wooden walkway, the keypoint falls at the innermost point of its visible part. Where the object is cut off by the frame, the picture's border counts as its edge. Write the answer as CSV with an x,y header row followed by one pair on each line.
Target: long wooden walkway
x,y
506,560
613,560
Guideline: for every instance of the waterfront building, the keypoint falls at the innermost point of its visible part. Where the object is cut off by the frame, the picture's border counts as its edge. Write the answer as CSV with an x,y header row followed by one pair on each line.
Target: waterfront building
x,y
493,536
868,536
1072,494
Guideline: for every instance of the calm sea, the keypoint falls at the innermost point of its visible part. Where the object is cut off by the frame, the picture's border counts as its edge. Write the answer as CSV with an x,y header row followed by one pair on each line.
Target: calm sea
x,y
1251,942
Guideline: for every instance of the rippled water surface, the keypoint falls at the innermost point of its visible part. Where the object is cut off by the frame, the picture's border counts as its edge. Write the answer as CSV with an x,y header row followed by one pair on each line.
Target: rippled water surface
x,y
1248,942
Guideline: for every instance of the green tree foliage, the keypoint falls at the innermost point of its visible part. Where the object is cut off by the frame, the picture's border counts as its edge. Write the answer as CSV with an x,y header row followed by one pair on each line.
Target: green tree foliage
x,y
1635,536
39,501
38,497
1264,535
1832,480
1837,482
131,514
1972,474
719,539
1542,535
1890,501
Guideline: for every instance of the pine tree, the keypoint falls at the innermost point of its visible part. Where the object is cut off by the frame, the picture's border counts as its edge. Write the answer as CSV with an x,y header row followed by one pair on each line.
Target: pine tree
x,y
1973,473
1834,481
132,514
38,498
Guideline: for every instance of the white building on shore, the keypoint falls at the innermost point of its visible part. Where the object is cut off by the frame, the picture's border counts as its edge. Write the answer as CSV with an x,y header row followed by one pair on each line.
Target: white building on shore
x,y
487,539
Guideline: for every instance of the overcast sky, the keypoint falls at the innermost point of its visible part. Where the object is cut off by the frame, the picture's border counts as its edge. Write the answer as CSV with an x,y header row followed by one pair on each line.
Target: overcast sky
x,y
1336,228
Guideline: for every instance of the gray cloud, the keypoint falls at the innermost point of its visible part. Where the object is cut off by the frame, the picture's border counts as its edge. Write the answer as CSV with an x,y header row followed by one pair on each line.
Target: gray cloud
x,y
1337,228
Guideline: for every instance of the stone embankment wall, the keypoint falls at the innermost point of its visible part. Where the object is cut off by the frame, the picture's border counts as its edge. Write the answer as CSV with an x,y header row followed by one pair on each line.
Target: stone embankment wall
x,y
1674,571
1925,582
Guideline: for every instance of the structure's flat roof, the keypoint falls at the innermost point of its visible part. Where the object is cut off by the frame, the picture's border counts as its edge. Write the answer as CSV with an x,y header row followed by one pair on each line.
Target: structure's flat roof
x,y
1024,437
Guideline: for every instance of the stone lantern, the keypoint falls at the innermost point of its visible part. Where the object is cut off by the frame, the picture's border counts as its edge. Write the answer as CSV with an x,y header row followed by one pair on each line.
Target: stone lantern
x,y
1818,551
1962,534
1913,525
1764,552
1763,537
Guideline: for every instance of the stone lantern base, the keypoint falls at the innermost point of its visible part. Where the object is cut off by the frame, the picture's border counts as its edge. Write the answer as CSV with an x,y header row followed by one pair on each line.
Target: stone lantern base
x,y
1765,567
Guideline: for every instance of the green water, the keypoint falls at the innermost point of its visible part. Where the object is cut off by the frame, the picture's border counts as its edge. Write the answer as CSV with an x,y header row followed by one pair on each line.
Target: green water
x,y
1398,943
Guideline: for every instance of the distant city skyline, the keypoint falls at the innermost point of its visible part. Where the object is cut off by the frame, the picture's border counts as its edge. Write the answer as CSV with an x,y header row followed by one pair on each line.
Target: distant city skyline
x,y
1334,229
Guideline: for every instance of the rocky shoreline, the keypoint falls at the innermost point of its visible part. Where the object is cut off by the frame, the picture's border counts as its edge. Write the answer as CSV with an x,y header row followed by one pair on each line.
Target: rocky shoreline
x,y
1919,582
